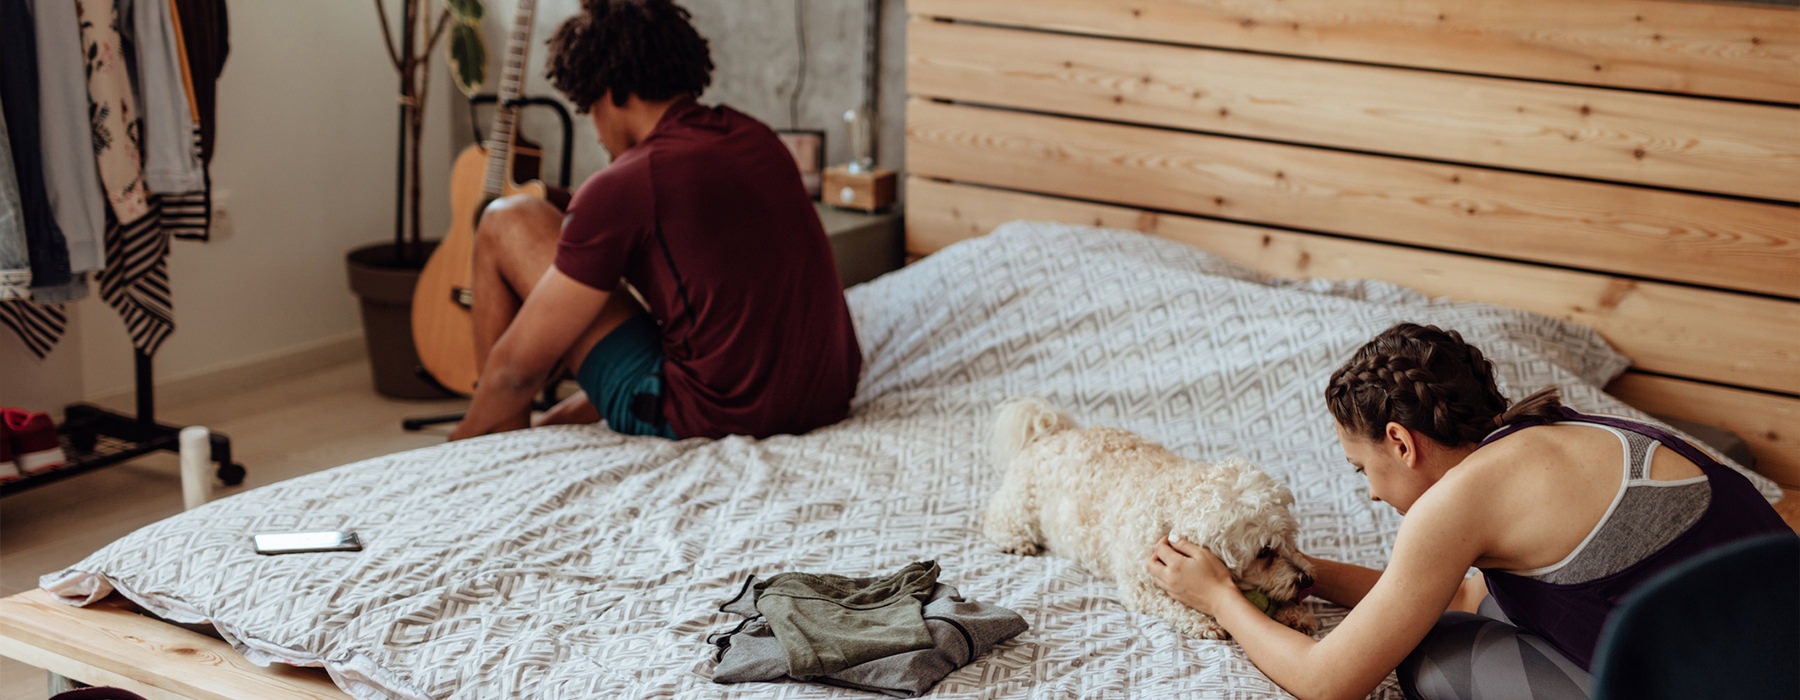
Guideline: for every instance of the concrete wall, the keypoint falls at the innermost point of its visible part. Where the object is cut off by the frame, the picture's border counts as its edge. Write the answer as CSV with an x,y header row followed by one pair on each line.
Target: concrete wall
x,y
757,58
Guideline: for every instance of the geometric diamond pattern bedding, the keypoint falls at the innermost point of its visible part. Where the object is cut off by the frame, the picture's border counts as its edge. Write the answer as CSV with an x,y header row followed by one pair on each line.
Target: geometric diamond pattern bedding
x,y
573,562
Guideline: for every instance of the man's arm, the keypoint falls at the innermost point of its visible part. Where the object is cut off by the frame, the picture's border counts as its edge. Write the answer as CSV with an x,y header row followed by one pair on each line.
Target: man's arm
x,y
552,319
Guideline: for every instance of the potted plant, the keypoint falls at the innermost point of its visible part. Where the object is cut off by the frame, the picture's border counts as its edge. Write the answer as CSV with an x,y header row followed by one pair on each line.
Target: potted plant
x,y
383,275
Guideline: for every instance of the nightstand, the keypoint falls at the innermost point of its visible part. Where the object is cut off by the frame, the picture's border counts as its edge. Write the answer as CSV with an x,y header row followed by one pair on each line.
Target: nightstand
x,y
865,245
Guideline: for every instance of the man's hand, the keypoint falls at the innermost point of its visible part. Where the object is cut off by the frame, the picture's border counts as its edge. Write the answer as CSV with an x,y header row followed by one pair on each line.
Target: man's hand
x,y
576,409
553,319
1191,574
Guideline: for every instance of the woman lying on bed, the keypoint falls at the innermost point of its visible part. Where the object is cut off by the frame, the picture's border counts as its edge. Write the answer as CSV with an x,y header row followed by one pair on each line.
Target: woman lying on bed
x,y
1563,513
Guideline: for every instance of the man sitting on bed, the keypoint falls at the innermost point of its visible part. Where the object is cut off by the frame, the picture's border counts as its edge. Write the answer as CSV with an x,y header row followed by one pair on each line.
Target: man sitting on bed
x,y
742,329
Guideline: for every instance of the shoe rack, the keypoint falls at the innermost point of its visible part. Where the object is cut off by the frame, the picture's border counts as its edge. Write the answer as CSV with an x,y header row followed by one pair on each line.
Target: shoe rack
x,y
94,437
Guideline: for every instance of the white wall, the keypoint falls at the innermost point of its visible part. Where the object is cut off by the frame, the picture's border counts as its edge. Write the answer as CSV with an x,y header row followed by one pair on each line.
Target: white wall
x,y
305,148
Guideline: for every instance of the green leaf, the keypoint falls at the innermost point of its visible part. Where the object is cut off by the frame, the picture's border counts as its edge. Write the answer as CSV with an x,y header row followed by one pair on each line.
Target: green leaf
x,y
469,11
468,58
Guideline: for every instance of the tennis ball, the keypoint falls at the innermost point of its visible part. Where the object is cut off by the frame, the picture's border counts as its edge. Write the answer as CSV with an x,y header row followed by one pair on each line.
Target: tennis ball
x,y
1258,599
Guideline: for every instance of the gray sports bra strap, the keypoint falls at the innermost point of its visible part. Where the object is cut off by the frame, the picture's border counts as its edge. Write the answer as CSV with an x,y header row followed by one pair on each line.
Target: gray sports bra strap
x,y
1679,445
1637,449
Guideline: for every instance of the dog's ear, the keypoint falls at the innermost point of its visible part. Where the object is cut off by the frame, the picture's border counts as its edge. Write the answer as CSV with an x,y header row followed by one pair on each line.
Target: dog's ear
x,y
1253,487
1258,488
1256,499
1282,495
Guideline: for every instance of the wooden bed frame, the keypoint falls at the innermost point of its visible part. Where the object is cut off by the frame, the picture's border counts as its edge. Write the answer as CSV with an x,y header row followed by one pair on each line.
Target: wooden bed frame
x,y
1630,164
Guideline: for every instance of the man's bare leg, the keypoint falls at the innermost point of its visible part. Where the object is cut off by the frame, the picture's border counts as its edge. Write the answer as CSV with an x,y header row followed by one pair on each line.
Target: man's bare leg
x,y
514,245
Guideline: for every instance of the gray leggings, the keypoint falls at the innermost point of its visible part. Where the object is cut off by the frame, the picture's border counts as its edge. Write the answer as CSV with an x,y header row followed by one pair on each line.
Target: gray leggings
x,y
1470,657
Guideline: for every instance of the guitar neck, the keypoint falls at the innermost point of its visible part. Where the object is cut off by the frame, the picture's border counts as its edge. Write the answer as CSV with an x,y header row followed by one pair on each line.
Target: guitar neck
x,y
512,80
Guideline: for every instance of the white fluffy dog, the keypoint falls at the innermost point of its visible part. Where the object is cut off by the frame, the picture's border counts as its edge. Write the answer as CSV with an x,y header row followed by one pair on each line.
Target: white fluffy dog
x,y
1103,496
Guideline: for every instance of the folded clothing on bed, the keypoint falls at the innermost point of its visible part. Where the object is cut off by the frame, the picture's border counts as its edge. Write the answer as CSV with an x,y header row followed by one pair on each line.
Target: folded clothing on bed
x,y
897,634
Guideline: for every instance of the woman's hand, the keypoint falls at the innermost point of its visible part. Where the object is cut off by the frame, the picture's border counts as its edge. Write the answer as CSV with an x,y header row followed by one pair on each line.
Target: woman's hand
x,y
1192,574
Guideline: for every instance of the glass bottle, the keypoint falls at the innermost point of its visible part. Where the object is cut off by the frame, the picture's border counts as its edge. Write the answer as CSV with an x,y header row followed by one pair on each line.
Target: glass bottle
x,y
859,126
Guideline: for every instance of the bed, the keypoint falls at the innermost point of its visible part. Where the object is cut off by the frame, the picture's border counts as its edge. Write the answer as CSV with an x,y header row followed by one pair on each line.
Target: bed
x,y
1602,196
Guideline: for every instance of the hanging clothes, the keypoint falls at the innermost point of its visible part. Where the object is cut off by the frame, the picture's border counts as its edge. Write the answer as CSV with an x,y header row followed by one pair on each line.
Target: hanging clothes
x,y
118,138
200,37
172,166
171,163
19,99
71,178
34,323
117,157
136,279
205,42
40,327
15,260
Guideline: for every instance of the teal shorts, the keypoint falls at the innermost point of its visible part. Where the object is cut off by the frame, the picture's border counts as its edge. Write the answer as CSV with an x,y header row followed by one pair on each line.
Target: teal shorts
x,y
623,377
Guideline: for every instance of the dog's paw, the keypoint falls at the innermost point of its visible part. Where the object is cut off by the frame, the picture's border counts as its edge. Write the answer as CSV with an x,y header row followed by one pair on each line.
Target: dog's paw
x,y
1210,629
1024,548
1298,617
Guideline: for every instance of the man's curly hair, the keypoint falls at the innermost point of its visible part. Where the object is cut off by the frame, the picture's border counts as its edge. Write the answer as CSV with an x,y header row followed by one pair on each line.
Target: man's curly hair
x,y
646,48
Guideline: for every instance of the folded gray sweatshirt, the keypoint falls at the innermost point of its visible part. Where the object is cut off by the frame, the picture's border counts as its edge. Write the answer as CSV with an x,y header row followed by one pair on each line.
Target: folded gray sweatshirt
x,y
830,642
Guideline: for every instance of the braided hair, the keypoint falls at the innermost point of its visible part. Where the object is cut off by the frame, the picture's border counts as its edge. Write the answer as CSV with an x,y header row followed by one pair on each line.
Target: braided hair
x,y
646,48
1430,381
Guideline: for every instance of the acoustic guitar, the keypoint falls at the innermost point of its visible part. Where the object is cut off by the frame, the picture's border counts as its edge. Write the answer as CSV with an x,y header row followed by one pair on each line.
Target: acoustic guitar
x,y
442,325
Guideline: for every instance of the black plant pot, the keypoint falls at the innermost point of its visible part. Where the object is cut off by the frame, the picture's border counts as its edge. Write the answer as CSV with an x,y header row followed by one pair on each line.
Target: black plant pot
x,y
384,284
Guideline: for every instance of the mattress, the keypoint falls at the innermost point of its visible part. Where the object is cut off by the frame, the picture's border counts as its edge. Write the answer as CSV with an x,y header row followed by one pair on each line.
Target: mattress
x,y
573,562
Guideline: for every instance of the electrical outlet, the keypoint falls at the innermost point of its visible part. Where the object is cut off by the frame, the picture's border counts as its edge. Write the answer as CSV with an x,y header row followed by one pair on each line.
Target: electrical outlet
x,y
221,214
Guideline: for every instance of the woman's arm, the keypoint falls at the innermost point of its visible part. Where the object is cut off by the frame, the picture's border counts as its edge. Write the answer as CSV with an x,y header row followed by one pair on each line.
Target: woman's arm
x,y
1341,583
1470,594
1437,542
1346,584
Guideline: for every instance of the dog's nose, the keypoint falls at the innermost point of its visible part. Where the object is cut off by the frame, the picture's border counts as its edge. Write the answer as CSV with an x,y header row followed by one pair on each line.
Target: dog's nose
x,y
1304,583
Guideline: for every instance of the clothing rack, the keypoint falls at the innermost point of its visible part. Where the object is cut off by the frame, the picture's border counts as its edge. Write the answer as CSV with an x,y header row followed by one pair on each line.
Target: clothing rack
x,y
158,103
94,437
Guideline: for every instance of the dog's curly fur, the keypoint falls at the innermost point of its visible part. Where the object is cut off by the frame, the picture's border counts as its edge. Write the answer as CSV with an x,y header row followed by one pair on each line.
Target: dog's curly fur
x,y
1103,496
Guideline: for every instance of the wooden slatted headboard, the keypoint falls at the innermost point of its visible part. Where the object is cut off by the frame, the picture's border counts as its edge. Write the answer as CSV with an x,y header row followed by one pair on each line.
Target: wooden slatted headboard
x,y
1630,164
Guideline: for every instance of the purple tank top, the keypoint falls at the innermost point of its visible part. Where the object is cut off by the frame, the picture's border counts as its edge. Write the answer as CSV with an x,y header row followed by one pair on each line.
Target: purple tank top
x,y
1570,616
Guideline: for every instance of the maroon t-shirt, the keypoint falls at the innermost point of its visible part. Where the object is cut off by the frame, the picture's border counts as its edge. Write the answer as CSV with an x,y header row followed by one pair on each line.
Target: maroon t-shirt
x,y
707,218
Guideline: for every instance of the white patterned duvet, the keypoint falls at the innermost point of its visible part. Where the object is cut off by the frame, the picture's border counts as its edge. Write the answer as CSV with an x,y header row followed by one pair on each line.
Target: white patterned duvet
x,y
577,563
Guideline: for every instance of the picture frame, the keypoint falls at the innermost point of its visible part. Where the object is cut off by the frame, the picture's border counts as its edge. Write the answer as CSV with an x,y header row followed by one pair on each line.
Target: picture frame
x,y
808,148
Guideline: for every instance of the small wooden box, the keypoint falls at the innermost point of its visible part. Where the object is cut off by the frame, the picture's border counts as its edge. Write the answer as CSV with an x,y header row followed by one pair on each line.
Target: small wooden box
x,y
870,191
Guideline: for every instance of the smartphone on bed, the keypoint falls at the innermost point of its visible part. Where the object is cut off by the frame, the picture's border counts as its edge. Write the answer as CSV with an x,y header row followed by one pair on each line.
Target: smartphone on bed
x,y
317,541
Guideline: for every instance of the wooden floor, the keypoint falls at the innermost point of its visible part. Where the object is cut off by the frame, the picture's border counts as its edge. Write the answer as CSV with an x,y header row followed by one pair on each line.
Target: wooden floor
x,y
288,428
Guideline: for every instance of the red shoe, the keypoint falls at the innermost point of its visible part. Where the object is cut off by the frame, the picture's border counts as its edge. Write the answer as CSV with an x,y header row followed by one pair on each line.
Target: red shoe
x,y
8,470
34,443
